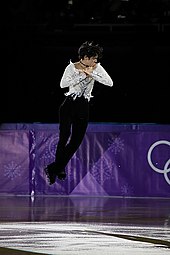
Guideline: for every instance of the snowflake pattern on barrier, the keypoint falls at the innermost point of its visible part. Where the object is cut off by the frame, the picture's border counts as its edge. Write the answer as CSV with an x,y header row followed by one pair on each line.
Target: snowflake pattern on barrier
x,y
12,170
50,149
127,190
116,145
106,165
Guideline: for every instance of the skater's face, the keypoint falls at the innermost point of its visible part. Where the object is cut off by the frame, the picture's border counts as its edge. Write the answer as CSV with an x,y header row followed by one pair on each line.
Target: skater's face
x,y
90,61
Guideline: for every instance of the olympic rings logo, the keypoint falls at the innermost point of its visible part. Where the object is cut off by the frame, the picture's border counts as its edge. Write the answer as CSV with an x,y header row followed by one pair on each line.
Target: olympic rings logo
x,y
166,169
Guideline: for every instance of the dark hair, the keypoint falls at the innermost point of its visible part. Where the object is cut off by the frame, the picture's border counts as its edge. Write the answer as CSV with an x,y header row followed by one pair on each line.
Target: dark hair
x,y
90,49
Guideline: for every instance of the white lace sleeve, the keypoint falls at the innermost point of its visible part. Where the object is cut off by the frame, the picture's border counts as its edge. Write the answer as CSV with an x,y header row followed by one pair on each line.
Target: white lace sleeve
x,y
100,75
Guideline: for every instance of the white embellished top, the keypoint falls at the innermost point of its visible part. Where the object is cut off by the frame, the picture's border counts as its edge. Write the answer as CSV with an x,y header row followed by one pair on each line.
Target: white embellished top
x,y
80,84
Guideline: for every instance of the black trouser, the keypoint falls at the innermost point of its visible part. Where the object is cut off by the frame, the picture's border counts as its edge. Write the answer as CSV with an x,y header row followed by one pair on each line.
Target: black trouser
x,y
73,121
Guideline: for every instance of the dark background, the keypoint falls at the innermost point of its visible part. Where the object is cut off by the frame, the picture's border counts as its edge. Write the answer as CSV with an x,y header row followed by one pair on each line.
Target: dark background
x,y
42,36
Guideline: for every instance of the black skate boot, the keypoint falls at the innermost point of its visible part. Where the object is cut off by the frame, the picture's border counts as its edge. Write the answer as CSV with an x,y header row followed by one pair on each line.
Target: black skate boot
x,y
50,172
61,174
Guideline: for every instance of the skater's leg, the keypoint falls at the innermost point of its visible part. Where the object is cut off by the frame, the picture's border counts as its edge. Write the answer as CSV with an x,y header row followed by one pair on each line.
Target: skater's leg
x,y
80,112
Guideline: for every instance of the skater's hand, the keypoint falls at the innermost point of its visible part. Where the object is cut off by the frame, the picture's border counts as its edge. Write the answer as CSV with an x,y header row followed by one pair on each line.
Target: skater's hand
x,y
88,70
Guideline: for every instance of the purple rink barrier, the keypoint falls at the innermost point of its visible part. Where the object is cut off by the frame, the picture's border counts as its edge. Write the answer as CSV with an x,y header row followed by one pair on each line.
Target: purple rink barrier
x,y
129,160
